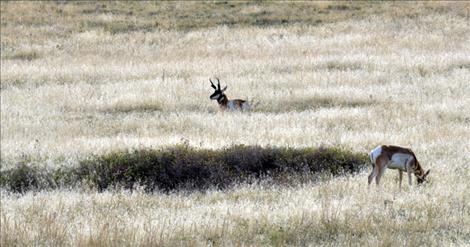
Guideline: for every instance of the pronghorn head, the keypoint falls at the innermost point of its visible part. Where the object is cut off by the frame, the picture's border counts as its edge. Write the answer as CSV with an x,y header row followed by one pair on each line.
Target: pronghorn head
x,y
218,93
421,176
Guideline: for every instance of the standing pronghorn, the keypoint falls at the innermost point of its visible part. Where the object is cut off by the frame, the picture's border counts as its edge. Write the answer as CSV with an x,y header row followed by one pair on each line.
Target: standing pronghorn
x,y
224,102
395,157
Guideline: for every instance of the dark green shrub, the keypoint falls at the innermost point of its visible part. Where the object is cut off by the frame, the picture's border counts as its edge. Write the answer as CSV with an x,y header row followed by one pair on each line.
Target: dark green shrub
x,y
26,177
183,167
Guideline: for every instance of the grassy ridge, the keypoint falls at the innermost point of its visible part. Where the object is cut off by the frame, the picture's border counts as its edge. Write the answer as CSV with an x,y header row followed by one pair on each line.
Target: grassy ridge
x,y
123,17
183,167
61,20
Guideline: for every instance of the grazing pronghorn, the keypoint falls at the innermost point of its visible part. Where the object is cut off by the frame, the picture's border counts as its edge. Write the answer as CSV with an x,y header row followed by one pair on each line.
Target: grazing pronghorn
x,y
395,157
224,102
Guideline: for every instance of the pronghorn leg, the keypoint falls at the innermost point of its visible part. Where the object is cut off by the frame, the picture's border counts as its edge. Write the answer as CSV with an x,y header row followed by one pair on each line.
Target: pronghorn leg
x,y
408,170
400,176
381,165
380,172
372,174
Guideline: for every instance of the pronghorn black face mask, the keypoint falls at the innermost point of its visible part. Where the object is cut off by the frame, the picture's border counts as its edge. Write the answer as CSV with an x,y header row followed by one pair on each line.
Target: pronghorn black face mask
x,y
218,93
422,179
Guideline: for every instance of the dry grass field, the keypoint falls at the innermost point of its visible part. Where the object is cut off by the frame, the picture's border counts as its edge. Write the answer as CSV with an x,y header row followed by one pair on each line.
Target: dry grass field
x,y
82,79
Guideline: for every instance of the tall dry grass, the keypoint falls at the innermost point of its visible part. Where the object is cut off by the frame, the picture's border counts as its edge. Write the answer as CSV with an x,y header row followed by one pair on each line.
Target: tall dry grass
x,y
339,212
68,91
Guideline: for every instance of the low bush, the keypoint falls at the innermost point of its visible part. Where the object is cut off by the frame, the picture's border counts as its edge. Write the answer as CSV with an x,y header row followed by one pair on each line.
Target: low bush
x,y
183,167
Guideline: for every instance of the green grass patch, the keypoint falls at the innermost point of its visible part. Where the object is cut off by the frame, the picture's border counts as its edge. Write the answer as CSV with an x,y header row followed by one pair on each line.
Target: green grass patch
x,y
341,66
123,107
299,104
183,167
27,55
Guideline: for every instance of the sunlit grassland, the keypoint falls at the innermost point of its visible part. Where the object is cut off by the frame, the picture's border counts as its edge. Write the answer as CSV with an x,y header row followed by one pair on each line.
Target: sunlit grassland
x,y
83,79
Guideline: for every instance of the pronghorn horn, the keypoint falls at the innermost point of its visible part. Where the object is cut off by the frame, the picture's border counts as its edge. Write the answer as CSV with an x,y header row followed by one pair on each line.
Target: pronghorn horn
x,y
218,82
212,84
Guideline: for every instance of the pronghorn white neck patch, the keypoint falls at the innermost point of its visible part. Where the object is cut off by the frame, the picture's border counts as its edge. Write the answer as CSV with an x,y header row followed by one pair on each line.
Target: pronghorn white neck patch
x,y
221,98
216,97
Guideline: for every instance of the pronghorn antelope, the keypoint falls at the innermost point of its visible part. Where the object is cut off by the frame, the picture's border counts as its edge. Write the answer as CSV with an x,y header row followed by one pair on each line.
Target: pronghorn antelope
x,y
224,102
395,157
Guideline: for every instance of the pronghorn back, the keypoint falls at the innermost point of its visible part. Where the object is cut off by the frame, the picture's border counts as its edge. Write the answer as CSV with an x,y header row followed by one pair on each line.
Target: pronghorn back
x,y
389,151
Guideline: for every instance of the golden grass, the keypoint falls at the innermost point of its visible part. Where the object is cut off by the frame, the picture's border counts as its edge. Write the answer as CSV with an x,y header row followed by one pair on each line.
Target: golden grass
x,y
397,75
339,212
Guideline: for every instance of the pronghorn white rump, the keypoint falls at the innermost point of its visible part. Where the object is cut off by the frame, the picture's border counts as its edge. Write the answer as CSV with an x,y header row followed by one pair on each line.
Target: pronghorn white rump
x,y
395,157
224,102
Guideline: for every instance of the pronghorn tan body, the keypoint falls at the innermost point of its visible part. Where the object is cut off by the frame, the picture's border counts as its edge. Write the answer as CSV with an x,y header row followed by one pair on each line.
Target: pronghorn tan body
x,y
224,102
395,157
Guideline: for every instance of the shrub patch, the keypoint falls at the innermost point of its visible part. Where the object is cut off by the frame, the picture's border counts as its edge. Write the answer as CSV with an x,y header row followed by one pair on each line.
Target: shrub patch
x,y
183,167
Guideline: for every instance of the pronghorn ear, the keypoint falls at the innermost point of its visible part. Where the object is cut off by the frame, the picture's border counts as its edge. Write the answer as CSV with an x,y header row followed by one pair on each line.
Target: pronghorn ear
x,y
225,88
427,173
